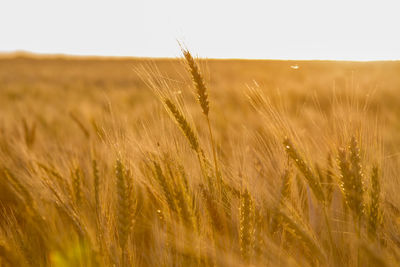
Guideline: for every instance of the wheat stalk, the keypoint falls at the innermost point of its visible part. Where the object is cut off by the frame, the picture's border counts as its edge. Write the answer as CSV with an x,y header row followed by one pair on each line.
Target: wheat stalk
x,y
183,125
311,179
80,124
246,211
212,210
77,185
124,204
301,232
374,213
357,176
198,81
285,190
96,184
165,186
351,179
202,97
329,180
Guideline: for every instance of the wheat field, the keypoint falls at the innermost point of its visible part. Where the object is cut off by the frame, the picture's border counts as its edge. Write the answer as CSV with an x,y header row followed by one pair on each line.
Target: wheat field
x,y
194,162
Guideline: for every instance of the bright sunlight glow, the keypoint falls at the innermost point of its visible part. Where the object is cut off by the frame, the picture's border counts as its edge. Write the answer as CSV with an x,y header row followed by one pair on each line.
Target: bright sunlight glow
x,y
279,29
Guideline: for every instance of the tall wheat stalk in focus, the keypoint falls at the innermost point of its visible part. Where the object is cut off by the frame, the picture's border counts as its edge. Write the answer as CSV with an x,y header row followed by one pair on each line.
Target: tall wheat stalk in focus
x,y
202,97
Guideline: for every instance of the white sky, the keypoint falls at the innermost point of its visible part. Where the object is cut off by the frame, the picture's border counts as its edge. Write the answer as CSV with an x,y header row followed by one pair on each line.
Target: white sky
x,y
277,29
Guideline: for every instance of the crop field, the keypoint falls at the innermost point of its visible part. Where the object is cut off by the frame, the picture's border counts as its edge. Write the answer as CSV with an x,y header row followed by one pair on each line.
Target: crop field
x,y
196,162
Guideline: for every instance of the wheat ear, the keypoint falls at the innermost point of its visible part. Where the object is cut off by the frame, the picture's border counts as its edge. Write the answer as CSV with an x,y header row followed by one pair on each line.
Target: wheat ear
x,y
311,179
183,125
202,97
165,186
351,179
96,183
374,213
124,204
329,180
356,169
77,185
246,211
198,81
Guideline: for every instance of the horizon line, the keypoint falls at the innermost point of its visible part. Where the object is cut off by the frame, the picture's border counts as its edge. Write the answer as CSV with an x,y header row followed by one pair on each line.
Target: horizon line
x,y
77,56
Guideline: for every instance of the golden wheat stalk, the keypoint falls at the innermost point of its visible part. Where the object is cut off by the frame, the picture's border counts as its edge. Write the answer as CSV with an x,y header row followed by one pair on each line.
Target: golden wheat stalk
x,y
351,180
314,183
165,186
285,190
202,97
303,196
20,187
311,179
96,185
329,180
184,201
374,212
300,231
124,204
77,185
212,209
80,124
357,174
183,125
198,81
246,211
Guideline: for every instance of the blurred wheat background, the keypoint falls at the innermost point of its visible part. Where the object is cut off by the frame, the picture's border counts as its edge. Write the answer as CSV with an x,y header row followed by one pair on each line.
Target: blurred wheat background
x,y
188,162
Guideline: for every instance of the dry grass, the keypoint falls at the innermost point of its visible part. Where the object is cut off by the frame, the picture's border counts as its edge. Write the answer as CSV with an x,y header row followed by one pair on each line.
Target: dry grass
x,y
198,163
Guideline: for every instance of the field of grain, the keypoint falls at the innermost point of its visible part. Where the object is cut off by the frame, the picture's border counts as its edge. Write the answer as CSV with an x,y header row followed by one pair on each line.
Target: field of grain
x,y
136,162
